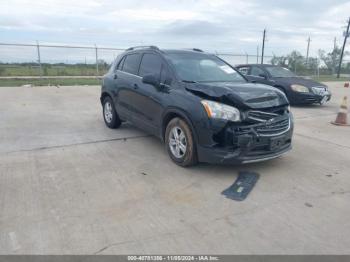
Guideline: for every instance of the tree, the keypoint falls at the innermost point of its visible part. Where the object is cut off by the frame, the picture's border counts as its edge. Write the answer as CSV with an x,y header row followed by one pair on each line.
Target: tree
x,y
279,60
296,61
347,67
331,59
313,63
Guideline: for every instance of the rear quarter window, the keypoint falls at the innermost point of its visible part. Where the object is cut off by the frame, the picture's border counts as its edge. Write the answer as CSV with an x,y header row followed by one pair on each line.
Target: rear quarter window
x,y
120,64
243,70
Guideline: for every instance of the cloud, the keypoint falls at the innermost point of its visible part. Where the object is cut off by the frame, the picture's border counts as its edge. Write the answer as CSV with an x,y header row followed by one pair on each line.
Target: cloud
x,y
155,14
213,25
193,28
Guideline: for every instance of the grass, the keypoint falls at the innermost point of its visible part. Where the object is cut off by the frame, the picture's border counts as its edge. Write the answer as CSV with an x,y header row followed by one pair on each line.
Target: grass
x,y
51,70
93,81
328,78
46,82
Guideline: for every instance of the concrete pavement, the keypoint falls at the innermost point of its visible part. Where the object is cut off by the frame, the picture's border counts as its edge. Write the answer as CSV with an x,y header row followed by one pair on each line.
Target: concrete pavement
x,y
69,185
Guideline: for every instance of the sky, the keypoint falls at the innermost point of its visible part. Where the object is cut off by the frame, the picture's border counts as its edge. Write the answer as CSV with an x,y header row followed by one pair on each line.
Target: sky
x,y
212,25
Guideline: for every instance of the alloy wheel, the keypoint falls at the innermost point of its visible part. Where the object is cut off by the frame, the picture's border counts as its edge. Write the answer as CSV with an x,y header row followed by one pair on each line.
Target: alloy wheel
x,y
108,112
177,142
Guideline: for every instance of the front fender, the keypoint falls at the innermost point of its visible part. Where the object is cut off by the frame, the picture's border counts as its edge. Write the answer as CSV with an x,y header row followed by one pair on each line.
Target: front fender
x,y
172,112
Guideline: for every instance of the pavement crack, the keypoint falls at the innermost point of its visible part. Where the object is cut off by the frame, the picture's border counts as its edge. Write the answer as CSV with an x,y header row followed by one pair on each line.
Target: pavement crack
x,y
340,192
162,235
321,140
76,144
112,245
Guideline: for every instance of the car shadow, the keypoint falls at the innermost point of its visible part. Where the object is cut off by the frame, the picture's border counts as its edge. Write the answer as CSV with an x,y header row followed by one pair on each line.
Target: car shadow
x,y
212,170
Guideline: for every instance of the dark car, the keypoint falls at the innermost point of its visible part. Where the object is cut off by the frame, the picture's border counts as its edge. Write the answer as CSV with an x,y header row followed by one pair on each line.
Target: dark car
x,y
199,105
298,90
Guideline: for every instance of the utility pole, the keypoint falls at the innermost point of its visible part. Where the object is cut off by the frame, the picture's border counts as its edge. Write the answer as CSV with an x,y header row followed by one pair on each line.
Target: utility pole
x,y
335,43
307,51
263,47
342,50
39,58
257,54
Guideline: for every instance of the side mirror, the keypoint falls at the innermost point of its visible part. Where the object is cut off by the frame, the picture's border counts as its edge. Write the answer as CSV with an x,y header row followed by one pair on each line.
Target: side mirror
x,y
151,80
263,76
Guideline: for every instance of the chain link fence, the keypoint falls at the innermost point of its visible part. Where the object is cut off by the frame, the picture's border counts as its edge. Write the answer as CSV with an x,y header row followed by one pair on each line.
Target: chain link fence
x,y
19,60
38,60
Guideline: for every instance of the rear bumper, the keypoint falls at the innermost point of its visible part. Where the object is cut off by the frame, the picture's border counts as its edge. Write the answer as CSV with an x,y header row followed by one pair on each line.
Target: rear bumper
x,y
246,148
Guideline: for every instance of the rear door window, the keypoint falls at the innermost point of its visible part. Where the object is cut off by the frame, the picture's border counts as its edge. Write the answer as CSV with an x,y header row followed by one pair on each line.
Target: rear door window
x,y
132,63
150,64
256,71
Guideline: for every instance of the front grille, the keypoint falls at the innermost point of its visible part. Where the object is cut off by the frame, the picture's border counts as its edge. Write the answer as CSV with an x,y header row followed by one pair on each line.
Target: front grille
x,y
260,116
319,90
274,127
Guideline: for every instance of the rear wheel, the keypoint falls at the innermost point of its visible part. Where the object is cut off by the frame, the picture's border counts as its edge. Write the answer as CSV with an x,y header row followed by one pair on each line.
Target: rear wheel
x,y
110,116
179,143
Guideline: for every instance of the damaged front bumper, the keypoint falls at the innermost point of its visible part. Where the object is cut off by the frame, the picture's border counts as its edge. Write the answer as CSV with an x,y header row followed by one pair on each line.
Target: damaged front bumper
x,y
244,143
315,97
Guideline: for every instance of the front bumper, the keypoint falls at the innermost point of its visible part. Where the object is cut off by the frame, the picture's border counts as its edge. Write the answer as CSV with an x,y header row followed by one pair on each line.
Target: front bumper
x,y
309,98
247,146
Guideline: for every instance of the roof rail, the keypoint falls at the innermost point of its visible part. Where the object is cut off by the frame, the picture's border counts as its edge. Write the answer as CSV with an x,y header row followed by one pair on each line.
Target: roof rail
x,y
142,46
197,50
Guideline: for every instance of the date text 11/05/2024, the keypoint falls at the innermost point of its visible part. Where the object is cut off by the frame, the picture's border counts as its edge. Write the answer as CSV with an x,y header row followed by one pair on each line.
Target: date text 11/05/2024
x,y
173,258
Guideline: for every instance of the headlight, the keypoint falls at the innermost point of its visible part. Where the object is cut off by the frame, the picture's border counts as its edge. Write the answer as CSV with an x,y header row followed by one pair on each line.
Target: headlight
x,y
220,111
300,88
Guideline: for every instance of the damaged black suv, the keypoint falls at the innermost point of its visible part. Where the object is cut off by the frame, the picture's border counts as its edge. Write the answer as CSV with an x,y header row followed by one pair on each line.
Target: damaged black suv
x,y
199,105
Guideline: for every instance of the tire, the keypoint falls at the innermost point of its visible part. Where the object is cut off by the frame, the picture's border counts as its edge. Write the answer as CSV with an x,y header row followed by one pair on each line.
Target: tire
x,y
181,149
110,116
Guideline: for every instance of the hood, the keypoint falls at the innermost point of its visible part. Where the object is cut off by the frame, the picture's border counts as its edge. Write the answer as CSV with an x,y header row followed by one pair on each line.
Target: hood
x,y
242,95
296,80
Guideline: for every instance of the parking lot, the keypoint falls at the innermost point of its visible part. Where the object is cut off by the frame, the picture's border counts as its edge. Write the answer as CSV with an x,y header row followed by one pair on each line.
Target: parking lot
x,y
70,185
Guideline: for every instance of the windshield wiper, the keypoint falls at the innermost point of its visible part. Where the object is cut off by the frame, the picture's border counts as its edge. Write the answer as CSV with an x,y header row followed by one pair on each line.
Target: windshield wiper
x,y
189,81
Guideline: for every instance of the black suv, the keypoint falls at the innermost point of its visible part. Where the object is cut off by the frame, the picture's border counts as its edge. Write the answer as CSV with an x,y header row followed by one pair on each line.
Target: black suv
x,y
200,106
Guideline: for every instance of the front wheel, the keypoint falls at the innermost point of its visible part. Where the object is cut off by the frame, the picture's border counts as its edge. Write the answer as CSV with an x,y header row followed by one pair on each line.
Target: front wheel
x,y
179,143
109,114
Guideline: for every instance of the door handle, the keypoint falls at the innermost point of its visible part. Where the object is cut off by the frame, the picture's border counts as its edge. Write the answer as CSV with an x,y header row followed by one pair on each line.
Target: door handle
x,y
115,76
136,86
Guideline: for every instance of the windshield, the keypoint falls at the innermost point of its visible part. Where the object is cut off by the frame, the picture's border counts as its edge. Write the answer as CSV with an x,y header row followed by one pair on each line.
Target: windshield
x,y
276,71
203,68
